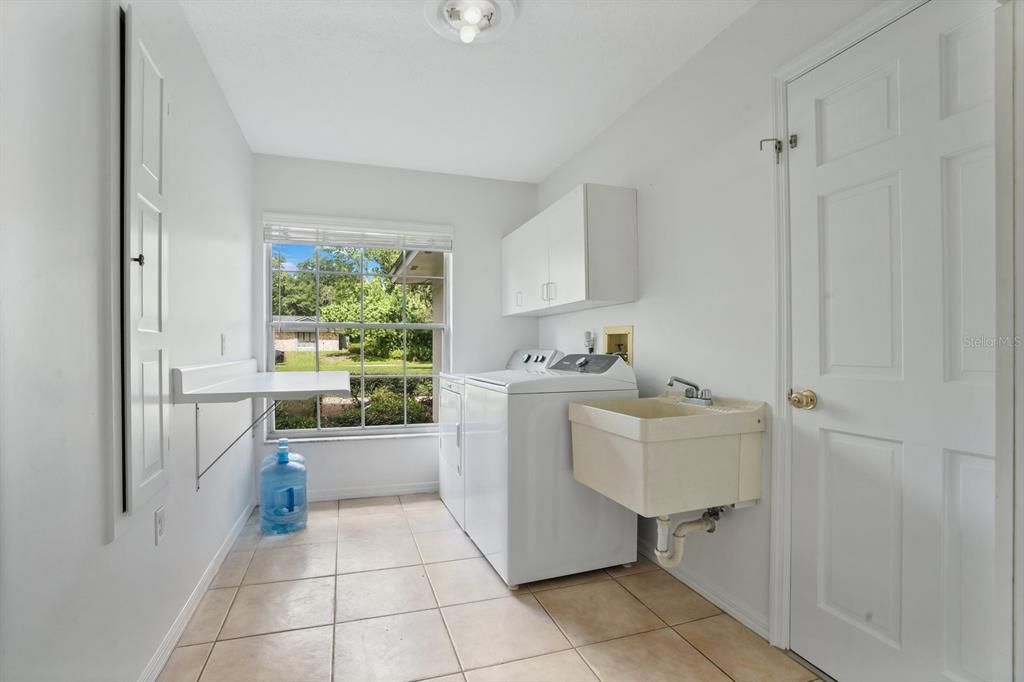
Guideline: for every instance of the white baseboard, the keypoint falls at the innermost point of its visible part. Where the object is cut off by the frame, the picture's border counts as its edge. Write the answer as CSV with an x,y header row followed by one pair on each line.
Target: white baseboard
x,y
163,652
372,491
758,622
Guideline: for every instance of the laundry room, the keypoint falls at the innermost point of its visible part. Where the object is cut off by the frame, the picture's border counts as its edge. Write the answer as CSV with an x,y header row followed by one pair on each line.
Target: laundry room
x,y
505,340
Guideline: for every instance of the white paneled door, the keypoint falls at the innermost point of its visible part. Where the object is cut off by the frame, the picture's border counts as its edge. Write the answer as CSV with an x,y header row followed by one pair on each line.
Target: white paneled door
x,y
893,312
146,399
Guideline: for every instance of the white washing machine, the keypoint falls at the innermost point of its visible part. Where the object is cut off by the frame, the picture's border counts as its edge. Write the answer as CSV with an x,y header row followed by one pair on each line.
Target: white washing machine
x,y
523,508
451,459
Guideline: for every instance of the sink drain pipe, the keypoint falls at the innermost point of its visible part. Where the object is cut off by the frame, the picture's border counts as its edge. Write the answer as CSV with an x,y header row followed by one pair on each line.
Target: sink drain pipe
x,y
669,555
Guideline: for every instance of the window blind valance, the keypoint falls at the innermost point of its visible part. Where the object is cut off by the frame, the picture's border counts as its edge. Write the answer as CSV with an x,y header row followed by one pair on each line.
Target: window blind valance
x,y
355,233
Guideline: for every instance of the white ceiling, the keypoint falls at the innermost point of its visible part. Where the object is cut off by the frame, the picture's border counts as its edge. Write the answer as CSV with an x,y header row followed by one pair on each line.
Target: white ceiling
x,y
368,81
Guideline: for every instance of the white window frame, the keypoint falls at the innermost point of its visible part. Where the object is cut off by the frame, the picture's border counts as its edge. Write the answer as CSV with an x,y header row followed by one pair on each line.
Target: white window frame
x,y
267,326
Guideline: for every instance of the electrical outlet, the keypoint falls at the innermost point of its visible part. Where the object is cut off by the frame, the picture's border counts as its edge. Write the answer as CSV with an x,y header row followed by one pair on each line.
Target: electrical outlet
x,y
158,524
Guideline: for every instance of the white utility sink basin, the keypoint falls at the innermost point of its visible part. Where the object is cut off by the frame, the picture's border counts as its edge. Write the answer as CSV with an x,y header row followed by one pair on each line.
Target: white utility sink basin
x,y
660,456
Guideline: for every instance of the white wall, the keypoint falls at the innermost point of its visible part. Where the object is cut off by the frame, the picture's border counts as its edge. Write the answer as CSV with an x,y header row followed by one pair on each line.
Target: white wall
x,y
71,606
706,221
481,212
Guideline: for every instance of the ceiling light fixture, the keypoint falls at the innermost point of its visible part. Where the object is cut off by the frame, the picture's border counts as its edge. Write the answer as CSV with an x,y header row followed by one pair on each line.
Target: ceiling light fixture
x,y
468,33
472,15
470,21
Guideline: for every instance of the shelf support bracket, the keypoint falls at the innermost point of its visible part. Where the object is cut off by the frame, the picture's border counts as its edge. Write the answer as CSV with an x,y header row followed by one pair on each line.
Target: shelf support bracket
x,y
200,474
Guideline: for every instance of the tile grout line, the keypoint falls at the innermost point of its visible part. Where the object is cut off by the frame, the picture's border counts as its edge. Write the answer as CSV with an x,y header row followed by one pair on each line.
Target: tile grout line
x,y
553,620
570,648
639,601
213,644
334,611
415,543
238,588
423,566
706,657
670,627
517,660
242,584
440,612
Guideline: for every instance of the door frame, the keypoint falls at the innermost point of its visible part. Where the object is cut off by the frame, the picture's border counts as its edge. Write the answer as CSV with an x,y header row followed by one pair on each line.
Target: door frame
x,y
115,515
1009,105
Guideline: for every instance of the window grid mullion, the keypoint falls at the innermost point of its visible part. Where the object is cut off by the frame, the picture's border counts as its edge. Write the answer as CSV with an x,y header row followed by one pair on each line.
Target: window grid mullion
x,y
316,334
405,348
293,326
320,326
362,339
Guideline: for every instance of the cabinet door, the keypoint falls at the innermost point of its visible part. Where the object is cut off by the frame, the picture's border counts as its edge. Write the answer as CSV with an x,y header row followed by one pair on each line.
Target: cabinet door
x,y
565,225
524,264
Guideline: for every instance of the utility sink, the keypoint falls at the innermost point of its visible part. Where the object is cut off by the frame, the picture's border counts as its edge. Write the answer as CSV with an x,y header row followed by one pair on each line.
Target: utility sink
x,y
660,456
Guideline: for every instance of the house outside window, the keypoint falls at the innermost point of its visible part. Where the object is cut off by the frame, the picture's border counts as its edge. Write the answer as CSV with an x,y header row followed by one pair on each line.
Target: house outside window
x,y
369,302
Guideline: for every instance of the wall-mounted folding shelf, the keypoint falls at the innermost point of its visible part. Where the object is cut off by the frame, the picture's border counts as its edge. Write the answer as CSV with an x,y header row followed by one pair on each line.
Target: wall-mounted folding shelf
x,y
232,382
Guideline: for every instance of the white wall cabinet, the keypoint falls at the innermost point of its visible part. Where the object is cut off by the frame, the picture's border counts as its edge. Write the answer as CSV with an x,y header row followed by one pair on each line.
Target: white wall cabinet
x,y
580,252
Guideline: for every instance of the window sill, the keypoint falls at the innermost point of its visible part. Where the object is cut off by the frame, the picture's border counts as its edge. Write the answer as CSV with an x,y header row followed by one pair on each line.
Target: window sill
x,y
271,438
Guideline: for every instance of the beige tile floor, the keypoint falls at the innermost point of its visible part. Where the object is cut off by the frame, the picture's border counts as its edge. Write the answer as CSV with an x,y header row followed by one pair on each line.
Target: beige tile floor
x,y
391,589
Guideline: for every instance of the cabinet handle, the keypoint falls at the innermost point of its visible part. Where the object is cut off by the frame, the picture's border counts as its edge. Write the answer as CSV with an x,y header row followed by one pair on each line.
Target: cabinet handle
x,y
544,291
519,299
553,294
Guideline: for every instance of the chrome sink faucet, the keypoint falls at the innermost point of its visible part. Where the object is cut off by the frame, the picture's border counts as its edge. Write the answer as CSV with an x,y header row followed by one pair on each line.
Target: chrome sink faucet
x,y
693,393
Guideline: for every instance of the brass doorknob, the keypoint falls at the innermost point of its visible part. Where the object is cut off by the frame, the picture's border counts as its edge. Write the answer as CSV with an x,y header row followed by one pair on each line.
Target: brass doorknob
x,y
803,400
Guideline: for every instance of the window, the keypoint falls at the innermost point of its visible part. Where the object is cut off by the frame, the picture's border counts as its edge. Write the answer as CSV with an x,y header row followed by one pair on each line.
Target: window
x,y
372,304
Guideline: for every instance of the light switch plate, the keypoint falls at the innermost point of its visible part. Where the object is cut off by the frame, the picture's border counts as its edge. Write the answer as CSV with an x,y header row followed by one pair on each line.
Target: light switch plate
x,y
158,524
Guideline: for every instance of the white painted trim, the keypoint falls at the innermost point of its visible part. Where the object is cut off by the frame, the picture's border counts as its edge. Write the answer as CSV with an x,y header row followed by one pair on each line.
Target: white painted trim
x,y
115,516
163,652
1006,467
430,432
1018,390
367,224
1012,13
846,37
327,494
741,611
781,424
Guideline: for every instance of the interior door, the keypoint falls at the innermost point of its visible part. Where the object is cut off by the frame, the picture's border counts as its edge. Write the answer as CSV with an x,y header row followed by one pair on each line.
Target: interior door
x,y
567,248
893,327
524,264
147,398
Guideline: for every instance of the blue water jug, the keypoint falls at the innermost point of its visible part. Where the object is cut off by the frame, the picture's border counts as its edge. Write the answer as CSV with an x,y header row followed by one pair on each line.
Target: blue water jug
x,y
282,446
283,506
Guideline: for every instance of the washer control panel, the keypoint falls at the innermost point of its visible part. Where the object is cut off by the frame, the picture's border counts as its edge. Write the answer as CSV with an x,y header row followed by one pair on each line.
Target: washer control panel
x,y
594,363
533,358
